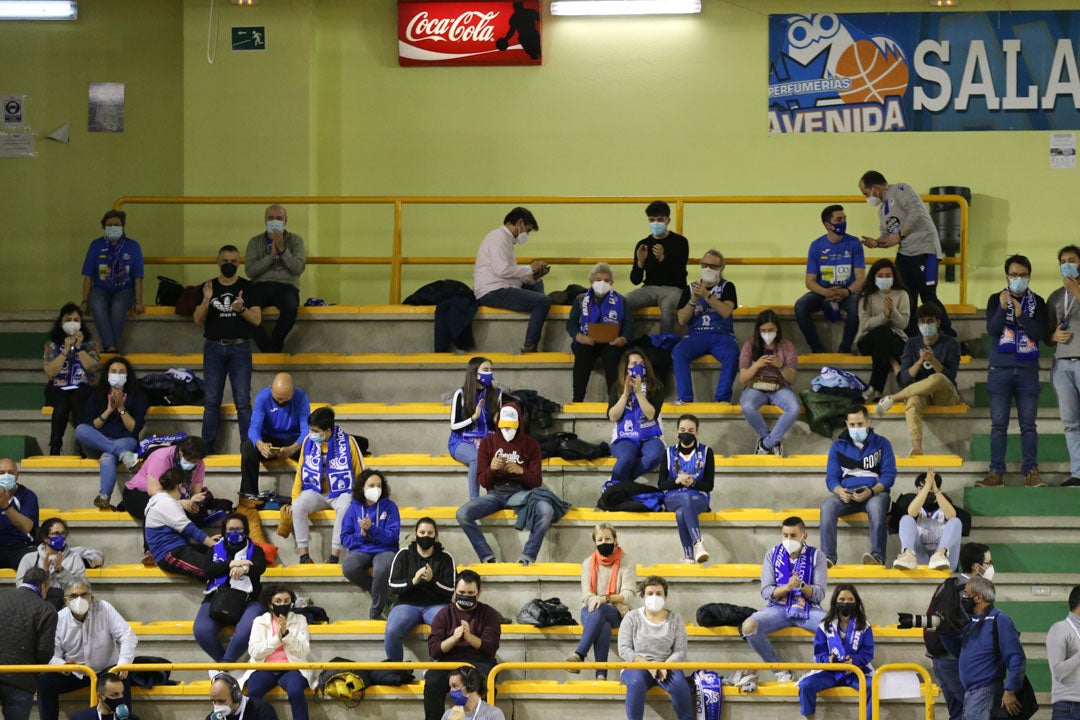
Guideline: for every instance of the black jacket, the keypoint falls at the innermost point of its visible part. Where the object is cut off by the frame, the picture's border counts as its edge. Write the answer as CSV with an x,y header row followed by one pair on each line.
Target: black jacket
x,y
443,576
29,634
455,308
255,709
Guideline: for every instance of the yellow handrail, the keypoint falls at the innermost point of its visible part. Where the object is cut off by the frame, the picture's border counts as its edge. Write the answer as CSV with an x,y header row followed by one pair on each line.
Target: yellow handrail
x,y
67,668
396,260
927,687
359,665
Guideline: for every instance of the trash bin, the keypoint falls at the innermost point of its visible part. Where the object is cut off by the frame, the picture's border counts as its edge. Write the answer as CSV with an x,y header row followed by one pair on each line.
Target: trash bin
x,y
946,216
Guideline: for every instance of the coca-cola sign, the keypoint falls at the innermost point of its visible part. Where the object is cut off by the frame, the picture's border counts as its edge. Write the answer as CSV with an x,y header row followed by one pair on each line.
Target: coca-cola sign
x,y
480,32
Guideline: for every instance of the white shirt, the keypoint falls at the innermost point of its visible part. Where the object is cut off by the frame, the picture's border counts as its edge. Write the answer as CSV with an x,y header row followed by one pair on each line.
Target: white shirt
x,y
496,267
101,640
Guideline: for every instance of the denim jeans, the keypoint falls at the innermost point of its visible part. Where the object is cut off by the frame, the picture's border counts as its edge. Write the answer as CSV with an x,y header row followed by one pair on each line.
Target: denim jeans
x,y
687,506
292,682
950,539
219,362
94,441
772,618
401,620
354,568
465,453
206,631
1006,384
596,626
638,682
110,312
1066,378
979,702
480,507
530,299
632,460
947,670
721,346
664,297
751,401
812,302
1065,710
876,507
16,703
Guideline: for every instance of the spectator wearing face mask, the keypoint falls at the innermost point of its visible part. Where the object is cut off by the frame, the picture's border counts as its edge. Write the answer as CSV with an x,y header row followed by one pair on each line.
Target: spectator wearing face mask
x,y
274,261
844,636
110,698
767,368
634,403
423,575
474,411
600,325
280,635
884,310
176,544
112,279
230,703
64,563
705,309
467,690
686,479
659,267
71,359
115,414
370,532
835,272
18,516
930,526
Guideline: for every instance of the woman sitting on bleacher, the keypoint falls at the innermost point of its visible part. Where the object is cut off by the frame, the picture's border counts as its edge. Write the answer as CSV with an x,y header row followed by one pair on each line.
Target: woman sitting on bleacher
x,y
71,358
114,417
845,636
235,567
686,480
653,634
176,543
767,368
884,310
423,575
370,532
634,406
280,635
187,456
64,563
608,577
473,413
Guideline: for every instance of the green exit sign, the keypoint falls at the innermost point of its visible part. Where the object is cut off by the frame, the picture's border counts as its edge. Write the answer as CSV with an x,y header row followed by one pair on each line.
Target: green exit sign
x,y
249,38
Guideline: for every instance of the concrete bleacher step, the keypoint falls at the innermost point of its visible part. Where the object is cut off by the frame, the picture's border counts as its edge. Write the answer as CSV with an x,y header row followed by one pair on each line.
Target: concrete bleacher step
x,y
23,344
1037,558
1052,448
1058,502
22,395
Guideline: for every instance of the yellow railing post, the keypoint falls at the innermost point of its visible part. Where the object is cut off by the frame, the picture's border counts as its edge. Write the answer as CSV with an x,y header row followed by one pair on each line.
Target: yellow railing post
x,y
395,266
927,687
68,668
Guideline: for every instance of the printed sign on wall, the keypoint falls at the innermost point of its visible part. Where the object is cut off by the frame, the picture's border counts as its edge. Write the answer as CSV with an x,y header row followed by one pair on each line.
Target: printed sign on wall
x,y
934,71
476,32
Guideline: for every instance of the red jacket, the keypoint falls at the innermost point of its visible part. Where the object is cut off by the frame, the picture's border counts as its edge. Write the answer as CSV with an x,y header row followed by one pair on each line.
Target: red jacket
x,y
522,450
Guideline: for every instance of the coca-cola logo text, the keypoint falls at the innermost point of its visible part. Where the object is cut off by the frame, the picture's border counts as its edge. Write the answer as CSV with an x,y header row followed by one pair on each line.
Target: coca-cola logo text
x,y
466,27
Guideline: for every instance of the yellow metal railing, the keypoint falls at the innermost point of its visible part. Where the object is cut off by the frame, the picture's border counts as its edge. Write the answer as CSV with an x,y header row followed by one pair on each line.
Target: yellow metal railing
x,y
928,687
84,669
359,665
397,260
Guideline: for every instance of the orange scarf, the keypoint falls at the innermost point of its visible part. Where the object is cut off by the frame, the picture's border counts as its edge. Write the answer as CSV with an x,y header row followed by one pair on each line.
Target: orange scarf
x,y
612,562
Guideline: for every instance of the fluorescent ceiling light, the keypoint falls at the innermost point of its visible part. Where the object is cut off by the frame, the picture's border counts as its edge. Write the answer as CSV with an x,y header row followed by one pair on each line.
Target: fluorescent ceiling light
x,y
39,9
625,7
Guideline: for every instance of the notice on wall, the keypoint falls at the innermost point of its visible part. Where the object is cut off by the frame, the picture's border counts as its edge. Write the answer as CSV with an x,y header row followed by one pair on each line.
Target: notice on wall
x,y
249,38
1062,151
17,144
106,107
14,117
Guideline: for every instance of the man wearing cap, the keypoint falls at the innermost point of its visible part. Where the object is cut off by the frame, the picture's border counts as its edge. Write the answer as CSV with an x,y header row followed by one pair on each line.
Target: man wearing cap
x,y
508,467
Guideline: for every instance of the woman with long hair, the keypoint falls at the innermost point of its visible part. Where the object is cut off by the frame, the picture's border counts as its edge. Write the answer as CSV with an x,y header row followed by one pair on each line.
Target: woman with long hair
x,y
884,310
844,636
474,411
71,359
634,402
767,368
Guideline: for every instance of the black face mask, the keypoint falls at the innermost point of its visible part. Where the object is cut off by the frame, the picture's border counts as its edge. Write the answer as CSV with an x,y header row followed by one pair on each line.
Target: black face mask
x,y
465,602
845,609
228,270
425,542
606,549
113,703
967,603
281,610
687,439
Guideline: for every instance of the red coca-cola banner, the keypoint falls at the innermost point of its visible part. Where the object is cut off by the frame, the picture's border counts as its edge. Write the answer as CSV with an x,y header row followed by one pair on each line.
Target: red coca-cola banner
x,y
469,32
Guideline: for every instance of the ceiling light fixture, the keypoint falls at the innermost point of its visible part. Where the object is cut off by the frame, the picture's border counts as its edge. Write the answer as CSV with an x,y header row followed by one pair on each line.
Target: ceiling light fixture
x,y
944,3
39,9
625,7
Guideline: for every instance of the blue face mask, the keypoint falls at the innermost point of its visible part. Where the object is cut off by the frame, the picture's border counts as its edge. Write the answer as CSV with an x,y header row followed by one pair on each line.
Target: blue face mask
x,y
316,437
928,330
458,697
1018,285
637,371
7,481
858,434
657,228
1070,270
58,543
187,466
840,228
275,225
485,378
235,537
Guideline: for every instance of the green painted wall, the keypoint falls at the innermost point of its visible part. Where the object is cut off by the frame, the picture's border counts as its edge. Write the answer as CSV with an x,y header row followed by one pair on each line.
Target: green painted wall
x,y
630,106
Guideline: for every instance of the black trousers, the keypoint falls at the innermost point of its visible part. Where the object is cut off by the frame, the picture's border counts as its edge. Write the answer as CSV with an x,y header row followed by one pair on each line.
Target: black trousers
x,y
585,357
912,270
68,407
883,346
250,458
286,299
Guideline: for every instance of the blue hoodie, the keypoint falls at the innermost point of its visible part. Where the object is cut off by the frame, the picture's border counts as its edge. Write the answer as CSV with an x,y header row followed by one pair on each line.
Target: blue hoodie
x,y
981,663
854,468
383,534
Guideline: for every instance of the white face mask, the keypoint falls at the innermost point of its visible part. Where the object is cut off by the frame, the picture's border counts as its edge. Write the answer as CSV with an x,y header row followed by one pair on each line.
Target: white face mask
x,y
873,201
71,327
275,226
224,710
883,283
114,232
988,572
372,494
791,545
710,276
768,337
601,288
508,433
79,606
522,238
118,380
654,603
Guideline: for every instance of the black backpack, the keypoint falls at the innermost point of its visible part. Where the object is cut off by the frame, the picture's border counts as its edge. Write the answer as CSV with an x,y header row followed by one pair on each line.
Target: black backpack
x,y
945,604
723,615
545,613
168,291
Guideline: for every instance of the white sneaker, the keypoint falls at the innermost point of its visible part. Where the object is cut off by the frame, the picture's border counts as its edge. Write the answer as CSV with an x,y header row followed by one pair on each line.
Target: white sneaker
x,y
689,561
884,404
868,559
940,560
129,459
701,555
784,676
745,680
906,561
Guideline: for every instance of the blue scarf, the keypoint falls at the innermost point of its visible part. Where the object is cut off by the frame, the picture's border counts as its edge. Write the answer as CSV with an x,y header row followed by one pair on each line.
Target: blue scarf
x,y
842,645
72,373
114,258
608,310
707,320
797,604
633,425
222,555
694,466
339,472
1013,339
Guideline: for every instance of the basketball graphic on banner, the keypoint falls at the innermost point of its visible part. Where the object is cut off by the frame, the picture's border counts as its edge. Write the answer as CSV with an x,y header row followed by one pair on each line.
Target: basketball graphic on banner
x,y
874,73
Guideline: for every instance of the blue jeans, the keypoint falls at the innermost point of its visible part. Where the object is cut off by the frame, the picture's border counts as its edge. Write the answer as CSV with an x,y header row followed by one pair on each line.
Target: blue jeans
x,y
950,539
751,401
261,682
1065,710
721,346
480,507
596,626
638,682
979,702
947,670
94,441
1005,385
876,507
465,453
633,460
219,361
687,506
206,632
17,703
401,620
1066,378
772,618
354,568
530,299
812,303
110,312
811,685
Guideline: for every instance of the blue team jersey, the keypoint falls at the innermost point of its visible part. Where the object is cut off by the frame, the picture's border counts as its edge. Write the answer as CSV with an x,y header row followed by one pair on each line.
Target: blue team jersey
x,y
834,264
